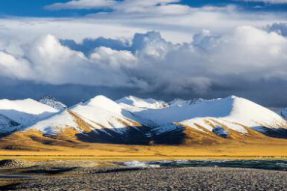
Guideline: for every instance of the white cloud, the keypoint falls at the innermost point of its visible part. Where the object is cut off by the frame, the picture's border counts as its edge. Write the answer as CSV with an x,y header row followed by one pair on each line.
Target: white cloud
x,y
198,49
174,24
150,63
9,64
112,59
82,4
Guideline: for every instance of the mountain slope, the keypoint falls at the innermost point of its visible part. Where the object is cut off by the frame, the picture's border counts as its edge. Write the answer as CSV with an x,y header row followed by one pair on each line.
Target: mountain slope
x,y
102,113
24,112
101,120
7,125
137,104
52,102
97,120
217,117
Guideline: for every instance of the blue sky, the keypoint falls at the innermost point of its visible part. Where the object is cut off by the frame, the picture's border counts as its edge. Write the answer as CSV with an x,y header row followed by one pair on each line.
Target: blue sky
x,y
165,49
35,8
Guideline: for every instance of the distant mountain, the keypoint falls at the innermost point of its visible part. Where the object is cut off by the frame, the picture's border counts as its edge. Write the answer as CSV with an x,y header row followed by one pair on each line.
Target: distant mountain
x,y
181,102
53,102
132,120
142,103
8,125
25,112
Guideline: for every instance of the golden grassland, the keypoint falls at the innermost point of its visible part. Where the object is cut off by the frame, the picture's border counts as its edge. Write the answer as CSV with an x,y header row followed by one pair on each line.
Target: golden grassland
x,y
106,152
33,145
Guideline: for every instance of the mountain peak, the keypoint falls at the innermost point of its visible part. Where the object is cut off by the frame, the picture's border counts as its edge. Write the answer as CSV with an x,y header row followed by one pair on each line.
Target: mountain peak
x,y
104,102
53,102
100,99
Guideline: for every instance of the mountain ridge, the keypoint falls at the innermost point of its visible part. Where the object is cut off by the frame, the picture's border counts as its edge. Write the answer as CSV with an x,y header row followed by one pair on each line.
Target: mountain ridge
x,y
102,120
53,102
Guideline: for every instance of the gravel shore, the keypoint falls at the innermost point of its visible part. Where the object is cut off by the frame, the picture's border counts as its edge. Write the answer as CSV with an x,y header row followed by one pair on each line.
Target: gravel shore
x,y
166,179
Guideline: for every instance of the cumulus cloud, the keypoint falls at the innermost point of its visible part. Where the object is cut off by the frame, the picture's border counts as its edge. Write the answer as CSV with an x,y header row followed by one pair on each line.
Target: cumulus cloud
x,y
11,65
149,63
47,61
113,59
207,51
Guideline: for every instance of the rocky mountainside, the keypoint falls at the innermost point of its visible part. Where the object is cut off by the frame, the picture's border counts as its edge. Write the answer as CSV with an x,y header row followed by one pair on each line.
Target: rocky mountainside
x,y
53,102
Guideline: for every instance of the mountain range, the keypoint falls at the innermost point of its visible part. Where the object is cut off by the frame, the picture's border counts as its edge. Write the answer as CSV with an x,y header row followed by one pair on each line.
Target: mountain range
x,y
132,120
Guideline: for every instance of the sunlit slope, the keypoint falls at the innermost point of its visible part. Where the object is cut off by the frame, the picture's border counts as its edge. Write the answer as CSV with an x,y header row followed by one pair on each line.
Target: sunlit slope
x,y
214,123
229,118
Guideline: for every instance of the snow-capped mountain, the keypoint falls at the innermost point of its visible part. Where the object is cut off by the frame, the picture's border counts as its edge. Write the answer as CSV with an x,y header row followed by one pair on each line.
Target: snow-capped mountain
x,y
55,124
228,109
52,102
102,113
25,112
229,114
98,119
133,120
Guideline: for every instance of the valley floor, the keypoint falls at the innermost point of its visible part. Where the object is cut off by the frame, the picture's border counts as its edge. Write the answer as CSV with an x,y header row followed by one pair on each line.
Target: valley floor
x,y
91,178
100,167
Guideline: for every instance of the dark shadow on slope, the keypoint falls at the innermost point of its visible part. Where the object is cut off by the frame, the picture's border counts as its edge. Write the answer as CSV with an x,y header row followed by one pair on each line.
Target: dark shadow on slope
x,y
126,135
172,137
272,132
11,186
7,123
221,132
2,135
139,136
